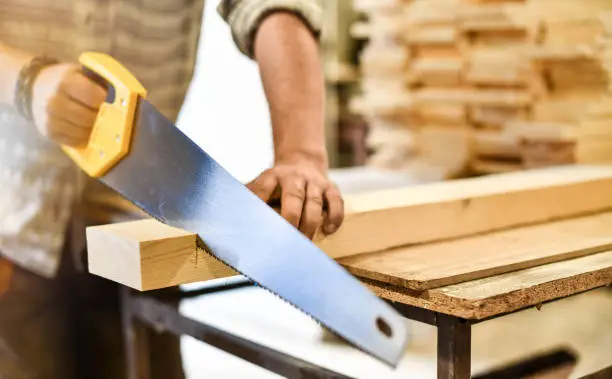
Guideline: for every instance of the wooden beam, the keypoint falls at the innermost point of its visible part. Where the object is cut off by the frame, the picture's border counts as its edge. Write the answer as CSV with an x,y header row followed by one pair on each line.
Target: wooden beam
x,y
385,219
147,255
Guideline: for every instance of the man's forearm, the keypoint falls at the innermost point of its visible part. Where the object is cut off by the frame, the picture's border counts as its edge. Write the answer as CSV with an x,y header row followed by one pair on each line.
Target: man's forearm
x,y
291,72
11,61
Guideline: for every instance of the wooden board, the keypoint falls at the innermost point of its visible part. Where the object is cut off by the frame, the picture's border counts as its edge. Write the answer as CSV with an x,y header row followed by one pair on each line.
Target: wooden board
x,y
449,262
494,166
483,298
495,144
380,220
147,255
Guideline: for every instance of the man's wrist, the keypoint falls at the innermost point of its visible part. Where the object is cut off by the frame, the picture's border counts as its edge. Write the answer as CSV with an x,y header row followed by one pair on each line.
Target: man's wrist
x,y
25,83
316,157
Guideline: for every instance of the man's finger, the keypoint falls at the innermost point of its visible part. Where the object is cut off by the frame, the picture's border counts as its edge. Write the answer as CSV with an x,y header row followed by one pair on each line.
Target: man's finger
x,y
66,139
335,211
313,208
63,126
264,185
68,109
293,193
83,90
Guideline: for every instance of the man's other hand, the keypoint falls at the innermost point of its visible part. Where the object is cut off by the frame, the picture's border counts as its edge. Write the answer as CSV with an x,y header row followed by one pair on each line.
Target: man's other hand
x,y
309,200
65,104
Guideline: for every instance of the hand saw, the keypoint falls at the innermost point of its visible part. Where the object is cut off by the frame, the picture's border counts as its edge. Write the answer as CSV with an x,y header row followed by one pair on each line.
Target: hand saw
x,y
143,156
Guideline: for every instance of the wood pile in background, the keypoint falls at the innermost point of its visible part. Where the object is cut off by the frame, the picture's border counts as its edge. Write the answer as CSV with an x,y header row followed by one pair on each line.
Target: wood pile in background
x,y
487,86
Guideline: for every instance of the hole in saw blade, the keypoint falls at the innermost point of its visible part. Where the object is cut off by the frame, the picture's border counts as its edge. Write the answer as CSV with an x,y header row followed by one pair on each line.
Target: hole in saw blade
x,y
384,327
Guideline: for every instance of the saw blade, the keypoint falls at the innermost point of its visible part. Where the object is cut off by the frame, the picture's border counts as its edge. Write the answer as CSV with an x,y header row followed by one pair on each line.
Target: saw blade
x,y
171,178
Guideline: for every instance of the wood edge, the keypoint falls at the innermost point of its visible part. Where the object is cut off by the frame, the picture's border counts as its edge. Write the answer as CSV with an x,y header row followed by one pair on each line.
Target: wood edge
x,y
190,248
427,284
328,243
211,269
479,309
94,252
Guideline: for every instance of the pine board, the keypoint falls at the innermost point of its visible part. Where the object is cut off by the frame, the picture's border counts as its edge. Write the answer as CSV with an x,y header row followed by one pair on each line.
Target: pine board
x,y
147,254
380,220
449,262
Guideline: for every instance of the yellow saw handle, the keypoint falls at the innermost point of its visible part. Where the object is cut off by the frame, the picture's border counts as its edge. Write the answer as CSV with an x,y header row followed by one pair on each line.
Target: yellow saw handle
x,y
111,135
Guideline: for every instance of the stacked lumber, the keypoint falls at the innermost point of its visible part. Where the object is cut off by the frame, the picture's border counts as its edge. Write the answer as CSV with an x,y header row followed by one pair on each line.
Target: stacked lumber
x,y
386,101
514,84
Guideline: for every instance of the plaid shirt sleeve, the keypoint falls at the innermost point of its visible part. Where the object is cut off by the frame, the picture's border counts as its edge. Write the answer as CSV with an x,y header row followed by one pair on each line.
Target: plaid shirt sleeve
x,y
245,16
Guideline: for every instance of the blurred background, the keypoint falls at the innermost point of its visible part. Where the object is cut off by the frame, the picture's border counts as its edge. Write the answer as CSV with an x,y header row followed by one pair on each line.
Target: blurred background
x,y
420,90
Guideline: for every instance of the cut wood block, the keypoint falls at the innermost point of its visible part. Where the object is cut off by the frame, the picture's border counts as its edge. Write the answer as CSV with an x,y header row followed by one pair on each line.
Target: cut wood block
x,y
496,18
385,219
573,75
442,114
542,131
432,35
499,69
560,111
559,53
450,262
486,97
594,152
384,61
496,117
495,144
388,105
147,255
437,51
602,108
427,12
541,153
573,32
445,145
481,166
437,72
599,130
388,27
505,293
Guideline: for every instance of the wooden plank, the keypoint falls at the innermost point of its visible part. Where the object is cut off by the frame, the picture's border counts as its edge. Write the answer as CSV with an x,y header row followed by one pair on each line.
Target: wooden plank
x,y
487,97
384,219
494,117
437,72
495,144
147,254
494,166
498,69
495,295
496,18
442,114
165,252
444,263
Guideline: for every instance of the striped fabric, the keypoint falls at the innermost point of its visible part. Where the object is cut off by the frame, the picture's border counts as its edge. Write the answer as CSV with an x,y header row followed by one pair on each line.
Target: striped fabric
x,y
156,40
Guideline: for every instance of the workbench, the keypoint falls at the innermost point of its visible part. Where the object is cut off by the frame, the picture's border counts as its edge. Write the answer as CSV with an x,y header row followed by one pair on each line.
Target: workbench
x,y
452,309
536,254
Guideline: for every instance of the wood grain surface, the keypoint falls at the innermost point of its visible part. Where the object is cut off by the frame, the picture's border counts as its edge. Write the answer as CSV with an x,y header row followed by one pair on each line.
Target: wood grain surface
x,y
444,263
